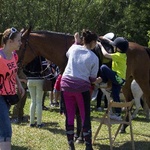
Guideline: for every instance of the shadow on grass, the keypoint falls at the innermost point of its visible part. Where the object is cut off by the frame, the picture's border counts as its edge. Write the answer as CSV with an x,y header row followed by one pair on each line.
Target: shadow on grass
x,y
54,128
19,148
141,119
140,145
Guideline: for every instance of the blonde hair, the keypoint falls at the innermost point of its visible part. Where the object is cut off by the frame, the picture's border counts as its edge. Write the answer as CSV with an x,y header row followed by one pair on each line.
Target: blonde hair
x,y
4,37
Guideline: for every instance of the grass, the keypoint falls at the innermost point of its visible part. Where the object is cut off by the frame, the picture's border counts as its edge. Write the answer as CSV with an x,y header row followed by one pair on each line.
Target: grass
x,y
52,136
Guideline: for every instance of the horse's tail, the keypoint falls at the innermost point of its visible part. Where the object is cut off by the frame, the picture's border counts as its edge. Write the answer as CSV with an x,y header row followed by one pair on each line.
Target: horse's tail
x,y
148,51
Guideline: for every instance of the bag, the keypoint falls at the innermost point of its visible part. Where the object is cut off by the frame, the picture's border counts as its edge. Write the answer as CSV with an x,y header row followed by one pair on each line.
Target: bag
x,y
11,99
47,85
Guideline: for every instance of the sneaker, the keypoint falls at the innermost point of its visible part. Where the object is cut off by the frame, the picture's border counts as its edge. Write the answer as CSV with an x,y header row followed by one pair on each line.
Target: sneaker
x,y
32,125
15,121
52,105
45,108
23,119
56,104
115,117
99,109
41,125
80,140
94,94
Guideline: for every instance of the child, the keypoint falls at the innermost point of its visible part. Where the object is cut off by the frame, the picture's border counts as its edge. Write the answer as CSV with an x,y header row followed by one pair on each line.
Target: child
x,y
118,71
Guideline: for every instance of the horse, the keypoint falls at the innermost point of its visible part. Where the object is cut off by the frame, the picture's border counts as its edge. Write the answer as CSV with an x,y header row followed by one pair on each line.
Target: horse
x,y
138,68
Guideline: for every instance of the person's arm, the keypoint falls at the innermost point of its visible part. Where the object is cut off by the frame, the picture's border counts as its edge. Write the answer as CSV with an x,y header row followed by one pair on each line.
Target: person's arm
x,y
105,53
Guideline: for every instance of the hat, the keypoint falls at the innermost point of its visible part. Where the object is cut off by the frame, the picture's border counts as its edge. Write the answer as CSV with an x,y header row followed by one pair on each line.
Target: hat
x,y
121,43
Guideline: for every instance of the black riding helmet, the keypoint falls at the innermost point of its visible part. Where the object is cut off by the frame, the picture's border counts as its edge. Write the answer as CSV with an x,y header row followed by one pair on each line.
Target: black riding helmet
x,y
121,43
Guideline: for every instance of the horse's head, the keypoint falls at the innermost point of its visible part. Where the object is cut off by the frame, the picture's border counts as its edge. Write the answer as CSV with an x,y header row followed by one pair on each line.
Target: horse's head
x,y
97,50
23,54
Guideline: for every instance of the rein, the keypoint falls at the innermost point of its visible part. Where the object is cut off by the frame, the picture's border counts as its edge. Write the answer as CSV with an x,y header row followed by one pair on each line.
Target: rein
x,y
49,76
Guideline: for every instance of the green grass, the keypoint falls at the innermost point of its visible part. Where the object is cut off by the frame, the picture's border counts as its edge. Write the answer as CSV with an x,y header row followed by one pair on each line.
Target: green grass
x,y
52,136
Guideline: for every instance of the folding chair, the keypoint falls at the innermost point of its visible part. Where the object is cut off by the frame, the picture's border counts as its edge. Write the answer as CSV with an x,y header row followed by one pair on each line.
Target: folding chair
x,y
109,122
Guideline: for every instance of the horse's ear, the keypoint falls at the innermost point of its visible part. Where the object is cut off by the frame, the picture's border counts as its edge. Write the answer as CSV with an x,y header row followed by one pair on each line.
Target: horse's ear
x,y
26,32
22,30
30,27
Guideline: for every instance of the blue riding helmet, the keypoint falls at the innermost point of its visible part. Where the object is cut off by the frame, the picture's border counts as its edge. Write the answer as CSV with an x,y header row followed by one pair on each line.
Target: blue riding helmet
x,y
121,43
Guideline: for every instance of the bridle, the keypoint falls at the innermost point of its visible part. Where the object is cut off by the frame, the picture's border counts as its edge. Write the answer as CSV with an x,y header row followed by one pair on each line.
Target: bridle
x,y
21,66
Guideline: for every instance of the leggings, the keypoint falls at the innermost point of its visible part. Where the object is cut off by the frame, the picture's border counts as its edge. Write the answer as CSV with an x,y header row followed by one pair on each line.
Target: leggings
x,y
72,100
36,92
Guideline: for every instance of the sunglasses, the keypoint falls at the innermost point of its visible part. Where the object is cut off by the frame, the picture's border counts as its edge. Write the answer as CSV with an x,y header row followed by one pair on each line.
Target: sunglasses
x,y
12,30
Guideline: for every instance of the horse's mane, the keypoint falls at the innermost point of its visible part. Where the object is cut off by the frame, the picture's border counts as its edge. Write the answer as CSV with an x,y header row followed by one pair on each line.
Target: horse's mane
x,y
51,32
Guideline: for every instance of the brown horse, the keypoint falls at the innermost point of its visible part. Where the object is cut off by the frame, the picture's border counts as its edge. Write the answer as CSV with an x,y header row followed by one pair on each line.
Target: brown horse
x,y
138,68
53,46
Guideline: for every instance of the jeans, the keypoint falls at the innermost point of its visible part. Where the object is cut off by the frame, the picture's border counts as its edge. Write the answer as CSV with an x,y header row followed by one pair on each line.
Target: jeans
x,y
5,124
108,74
36,92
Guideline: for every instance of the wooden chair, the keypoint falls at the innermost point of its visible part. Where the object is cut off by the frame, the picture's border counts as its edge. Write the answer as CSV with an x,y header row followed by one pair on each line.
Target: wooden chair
x,y
109,122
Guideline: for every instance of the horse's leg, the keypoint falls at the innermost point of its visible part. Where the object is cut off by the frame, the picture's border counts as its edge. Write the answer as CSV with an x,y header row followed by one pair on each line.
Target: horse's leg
x,y
146,108
137,94
145,86
126,89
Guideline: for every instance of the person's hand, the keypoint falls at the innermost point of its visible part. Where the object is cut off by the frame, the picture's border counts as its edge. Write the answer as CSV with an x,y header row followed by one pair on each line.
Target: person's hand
x,y
77,38
98,80
101,37
99,43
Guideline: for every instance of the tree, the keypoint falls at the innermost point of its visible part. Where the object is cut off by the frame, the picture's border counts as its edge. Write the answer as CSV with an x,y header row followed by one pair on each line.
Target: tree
x,y
129,18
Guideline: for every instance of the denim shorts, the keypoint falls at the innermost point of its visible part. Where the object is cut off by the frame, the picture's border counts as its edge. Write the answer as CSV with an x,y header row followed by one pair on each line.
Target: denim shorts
x,y
5,124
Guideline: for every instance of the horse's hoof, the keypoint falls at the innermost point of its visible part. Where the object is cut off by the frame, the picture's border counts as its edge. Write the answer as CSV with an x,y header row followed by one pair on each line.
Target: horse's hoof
x,y
122,131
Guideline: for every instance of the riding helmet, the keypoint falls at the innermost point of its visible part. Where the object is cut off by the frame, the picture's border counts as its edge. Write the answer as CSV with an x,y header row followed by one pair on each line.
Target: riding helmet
x,y
121,43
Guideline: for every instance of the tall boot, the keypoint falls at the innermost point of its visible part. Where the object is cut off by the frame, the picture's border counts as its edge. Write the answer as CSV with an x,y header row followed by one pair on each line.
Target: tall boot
x,y
5,146
88,147
70,136
88,141
71,146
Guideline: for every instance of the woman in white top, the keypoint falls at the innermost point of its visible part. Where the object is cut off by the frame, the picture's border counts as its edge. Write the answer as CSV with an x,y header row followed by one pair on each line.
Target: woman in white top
x,y
80,73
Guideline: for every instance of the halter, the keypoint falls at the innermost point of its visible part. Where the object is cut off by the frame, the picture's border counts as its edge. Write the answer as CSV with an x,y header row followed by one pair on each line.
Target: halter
x,y
24,49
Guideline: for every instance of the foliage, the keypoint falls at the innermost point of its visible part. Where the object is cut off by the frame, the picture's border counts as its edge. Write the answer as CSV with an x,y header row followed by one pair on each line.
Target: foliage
x,y
129,18
148,34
